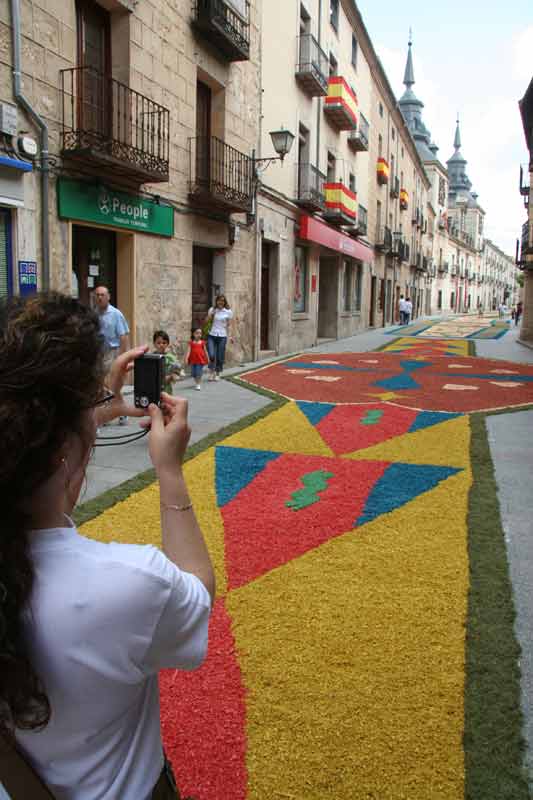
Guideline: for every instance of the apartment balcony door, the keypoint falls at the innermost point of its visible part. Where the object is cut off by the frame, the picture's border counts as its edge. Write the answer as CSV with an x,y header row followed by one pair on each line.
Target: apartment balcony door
x,y
203,134
202,284
94,68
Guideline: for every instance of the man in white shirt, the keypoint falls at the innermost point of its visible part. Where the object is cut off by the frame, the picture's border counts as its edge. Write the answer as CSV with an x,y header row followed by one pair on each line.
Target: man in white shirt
x,y
401,307
408,310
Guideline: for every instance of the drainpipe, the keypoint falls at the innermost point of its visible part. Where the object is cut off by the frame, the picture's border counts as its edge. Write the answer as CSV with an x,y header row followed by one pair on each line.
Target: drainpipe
x,y
43,128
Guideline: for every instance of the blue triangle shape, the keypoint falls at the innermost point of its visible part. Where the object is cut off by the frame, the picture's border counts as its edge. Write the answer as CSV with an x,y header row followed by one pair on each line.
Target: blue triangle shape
x,y
235,468
400,484
315,412
426,419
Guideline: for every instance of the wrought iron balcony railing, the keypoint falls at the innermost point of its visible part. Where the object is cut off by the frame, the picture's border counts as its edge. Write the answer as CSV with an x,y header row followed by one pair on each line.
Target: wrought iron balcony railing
x,y
313,66
384,239
224,26
310,189
524,181
362,221
359,139
106,123
220,176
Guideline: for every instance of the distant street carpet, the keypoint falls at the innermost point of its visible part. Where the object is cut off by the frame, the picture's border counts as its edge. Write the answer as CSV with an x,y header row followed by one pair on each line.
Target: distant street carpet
x,y
470,326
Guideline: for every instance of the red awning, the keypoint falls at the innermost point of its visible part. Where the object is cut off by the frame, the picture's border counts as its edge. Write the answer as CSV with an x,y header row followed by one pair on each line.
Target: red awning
x,y
313,230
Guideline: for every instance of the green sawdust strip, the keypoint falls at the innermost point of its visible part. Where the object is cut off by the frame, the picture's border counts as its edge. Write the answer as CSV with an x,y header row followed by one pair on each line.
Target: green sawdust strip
x,y
97,505
493,740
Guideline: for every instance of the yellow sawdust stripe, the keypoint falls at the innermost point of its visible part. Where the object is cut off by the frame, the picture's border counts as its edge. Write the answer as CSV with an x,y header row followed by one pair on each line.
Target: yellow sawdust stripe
x,y
353,658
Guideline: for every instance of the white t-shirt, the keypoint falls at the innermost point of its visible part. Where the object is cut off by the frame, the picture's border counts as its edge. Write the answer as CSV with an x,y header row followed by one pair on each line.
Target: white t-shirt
x,y
408,307
401,304
221,317
103,619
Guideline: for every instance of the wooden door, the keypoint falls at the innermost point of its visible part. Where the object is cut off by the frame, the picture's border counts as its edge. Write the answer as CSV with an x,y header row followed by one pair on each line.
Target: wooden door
x,y
94,68
202,284
203,133
372,301
265,297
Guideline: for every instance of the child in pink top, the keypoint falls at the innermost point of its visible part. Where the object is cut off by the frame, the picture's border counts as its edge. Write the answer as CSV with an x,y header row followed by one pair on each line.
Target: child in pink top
x,y
197,356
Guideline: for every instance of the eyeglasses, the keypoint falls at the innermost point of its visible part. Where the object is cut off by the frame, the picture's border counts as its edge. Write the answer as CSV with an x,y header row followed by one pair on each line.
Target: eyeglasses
x,y
106,398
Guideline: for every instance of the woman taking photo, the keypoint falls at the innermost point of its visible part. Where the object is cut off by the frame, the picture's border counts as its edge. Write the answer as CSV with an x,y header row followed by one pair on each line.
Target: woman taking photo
x,y
220,316
84,626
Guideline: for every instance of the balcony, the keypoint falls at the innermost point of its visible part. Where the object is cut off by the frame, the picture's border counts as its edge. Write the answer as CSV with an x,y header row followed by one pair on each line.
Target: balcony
x,y
362,221
313,66
105,124
310,194
395,188
404,251
221,24
340,105
384,239
221,177
341,204
382,171
444,266
404,199
360,138
525,184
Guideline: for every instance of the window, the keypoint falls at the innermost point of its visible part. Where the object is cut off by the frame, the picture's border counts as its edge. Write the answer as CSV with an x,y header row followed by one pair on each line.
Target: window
x,y
381,109
305,21
351,183
452,300
380,145
402,185
303,160
332,65
442,191
439,300
403,152
393,134
354,51
357,287
299,299
378,216
334,14
347,288
332,168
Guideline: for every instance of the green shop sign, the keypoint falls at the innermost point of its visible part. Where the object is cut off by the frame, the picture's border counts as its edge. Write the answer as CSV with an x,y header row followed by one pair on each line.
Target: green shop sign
x,y
96,203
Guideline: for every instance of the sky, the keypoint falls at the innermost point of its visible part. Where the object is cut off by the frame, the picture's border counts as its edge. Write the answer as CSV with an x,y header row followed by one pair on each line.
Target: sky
x,y
474,59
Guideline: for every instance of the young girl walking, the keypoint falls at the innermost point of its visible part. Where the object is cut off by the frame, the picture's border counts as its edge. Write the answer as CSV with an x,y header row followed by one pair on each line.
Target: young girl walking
x,y
197,356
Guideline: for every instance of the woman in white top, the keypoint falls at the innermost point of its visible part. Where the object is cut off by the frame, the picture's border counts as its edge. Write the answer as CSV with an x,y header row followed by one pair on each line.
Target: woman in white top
x,y
85,626
220,315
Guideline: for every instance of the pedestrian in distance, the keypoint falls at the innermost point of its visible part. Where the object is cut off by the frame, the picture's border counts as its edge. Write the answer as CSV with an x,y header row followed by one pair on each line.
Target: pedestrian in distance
x,y
86,626
114,330
519,310
220,316
401,307
408,310
197,356
173,368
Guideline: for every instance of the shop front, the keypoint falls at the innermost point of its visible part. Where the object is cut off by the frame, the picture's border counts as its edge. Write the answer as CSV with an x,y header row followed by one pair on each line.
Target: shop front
x,y
341,278
103,226
12,171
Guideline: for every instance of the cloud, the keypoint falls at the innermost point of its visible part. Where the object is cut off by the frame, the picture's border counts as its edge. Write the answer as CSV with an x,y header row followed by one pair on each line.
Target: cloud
x,y
522,48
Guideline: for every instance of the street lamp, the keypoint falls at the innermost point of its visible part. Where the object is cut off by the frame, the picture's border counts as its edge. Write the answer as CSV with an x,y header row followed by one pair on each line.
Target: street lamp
x,y
282,141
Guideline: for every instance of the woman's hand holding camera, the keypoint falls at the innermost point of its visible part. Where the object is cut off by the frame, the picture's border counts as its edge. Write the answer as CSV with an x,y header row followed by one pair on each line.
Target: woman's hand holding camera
x,y
169,433
118,407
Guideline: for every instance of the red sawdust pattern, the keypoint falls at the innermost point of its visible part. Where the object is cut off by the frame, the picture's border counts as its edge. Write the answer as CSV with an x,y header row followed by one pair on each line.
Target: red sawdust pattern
x,y
344,431
263,533
203,717
430,394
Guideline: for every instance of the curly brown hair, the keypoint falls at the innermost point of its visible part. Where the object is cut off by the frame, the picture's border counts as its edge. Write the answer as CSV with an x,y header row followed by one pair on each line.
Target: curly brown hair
x,y
51,372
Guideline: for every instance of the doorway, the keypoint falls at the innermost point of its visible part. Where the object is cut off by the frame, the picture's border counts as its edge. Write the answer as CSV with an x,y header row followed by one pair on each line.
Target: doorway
x,y
94,262
328,302
202,284
269,296
373,290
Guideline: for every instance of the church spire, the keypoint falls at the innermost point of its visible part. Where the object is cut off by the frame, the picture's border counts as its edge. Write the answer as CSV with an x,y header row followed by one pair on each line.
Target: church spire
x,y
409,75
457,140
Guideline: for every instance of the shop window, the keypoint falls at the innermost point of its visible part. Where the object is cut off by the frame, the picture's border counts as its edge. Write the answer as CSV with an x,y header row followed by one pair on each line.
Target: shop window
x,y
347,288
301,280
357,287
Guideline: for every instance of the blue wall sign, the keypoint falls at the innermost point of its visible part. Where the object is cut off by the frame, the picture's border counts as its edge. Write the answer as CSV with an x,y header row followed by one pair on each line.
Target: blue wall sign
x,y
27,277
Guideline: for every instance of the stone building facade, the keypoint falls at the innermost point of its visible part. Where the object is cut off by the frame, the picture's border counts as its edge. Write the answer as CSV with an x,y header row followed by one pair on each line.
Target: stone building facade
x,y
525,258
152,114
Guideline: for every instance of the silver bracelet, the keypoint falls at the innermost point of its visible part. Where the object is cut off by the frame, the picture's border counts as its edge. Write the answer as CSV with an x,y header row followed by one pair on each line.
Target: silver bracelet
x,y
176,508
